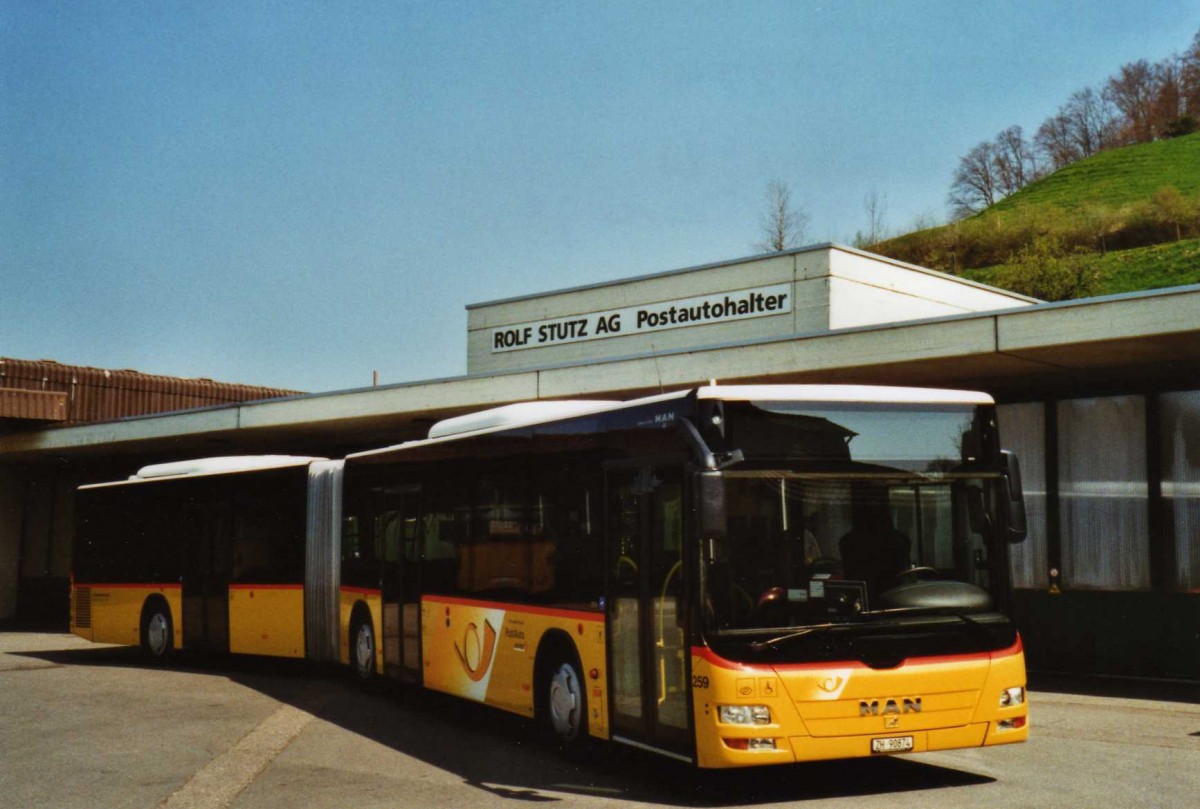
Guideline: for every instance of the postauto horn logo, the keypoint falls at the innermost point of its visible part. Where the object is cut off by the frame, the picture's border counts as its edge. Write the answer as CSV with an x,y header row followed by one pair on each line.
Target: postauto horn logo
x,y
475,654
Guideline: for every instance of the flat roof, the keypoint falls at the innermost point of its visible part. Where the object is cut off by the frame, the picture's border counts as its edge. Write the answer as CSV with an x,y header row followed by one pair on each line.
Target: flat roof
x,y
811,248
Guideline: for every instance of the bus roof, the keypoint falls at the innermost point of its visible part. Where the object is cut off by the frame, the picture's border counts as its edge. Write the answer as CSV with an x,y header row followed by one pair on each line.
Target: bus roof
x,y
212,466
866,394
522,412
529,414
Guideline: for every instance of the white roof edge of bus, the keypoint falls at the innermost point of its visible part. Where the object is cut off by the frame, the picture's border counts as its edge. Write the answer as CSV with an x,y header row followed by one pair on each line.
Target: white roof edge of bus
x,y
871,394
519,414
219,465
603,406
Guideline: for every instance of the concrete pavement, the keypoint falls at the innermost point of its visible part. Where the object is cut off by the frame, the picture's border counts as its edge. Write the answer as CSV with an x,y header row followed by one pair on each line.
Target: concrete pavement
x,y
83,725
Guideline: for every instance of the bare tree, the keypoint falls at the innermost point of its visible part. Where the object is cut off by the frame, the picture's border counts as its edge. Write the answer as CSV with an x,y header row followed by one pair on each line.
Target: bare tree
x,y
783,223
1014,163
875,207
1092,121
1132,91
1168,104
1082,127
1190,78
974,187
1053,139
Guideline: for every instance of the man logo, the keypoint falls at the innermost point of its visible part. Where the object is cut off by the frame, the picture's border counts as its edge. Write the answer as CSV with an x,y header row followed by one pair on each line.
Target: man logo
x,y
889,708
476,656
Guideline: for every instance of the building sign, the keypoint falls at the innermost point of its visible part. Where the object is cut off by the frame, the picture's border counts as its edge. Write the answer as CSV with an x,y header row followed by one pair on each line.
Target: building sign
x,y
704,310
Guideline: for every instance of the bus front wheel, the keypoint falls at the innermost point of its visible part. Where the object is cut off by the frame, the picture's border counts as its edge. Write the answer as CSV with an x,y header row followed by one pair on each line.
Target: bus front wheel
x,y
158,633
564,705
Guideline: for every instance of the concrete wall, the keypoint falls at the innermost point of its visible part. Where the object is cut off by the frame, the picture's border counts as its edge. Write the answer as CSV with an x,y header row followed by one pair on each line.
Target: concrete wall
x,y
864,291
807,310
829,288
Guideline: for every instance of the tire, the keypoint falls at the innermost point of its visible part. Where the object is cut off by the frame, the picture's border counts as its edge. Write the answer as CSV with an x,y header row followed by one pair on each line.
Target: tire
x,y
564,709
158,631
362,650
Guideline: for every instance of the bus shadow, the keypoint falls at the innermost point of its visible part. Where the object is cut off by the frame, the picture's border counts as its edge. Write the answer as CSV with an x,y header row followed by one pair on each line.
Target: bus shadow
x,y
1116,688
502,755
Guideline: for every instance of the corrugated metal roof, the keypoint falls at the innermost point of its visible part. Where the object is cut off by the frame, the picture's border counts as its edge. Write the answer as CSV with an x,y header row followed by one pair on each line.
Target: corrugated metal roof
x,y
33,405
96,394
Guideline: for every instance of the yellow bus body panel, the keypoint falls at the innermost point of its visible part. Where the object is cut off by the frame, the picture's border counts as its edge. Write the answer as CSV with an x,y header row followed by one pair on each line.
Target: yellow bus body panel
x,y
485,652
266,620
829,711
116,611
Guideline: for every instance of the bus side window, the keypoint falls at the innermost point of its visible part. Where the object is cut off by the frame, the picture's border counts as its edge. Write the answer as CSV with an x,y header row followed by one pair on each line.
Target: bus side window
x,y
509,553
445,524
571,500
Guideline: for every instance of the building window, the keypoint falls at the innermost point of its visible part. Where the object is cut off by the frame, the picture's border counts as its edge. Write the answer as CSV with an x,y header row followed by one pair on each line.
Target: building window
x,y
1103,493
1181,484
1023,431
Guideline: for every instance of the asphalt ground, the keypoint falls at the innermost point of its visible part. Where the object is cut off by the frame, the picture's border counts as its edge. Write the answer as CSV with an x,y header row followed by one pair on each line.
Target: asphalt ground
x,y
85,725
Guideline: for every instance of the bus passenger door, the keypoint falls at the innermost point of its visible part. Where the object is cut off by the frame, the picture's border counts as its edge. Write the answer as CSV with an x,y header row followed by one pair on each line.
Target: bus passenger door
x,y
397,526
208,529
647,652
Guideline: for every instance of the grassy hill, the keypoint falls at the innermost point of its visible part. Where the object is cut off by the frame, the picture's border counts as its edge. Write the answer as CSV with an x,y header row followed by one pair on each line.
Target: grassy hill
x,y
1160,265
1114,178
1116,212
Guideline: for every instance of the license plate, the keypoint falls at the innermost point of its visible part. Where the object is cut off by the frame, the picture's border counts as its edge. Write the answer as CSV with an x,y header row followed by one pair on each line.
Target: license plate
x,y
896,744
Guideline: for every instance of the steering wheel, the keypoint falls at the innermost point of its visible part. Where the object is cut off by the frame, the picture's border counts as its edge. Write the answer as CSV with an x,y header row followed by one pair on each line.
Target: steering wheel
x,y
917,573
825,564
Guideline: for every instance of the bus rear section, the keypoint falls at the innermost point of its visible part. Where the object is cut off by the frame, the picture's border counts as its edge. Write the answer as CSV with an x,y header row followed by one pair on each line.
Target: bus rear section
x,y
207,555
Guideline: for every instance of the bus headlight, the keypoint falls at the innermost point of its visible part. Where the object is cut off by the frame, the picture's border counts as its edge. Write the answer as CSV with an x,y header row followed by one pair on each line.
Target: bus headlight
x,y
1010,697
744,714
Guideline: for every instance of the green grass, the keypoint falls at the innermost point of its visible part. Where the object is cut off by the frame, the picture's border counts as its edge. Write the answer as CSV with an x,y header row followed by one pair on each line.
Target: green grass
x,y
1103,201
1154,267
1113,178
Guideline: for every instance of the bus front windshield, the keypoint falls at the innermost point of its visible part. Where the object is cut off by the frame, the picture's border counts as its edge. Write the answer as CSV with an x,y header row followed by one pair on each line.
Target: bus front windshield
x,y
884,537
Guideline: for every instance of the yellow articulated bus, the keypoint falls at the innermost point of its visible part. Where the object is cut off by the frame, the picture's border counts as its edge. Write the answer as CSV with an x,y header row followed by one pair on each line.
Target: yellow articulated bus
x,y
730,576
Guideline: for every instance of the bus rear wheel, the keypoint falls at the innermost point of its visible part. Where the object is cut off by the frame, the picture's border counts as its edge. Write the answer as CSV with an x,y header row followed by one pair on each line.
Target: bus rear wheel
x,y
158,633
564,706
362,650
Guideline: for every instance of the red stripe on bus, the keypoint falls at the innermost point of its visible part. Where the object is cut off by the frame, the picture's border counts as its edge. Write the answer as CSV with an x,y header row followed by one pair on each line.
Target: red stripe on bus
x,y
128,586
712,657
362,591
577,615
242,586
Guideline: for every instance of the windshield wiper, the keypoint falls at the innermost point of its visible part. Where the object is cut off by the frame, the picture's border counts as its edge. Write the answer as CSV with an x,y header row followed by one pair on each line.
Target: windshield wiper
x,y
770,643
976,625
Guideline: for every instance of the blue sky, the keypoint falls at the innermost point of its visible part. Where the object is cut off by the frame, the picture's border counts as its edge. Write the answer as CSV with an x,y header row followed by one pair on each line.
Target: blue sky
x,y
283,194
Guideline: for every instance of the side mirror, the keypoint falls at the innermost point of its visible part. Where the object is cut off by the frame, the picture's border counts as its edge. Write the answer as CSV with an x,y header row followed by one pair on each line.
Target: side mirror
x,y
1014,499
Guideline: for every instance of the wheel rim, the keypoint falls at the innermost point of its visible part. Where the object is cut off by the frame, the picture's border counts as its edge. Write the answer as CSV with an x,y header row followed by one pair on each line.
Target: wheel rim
x,y
566,701
158,633
364,650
